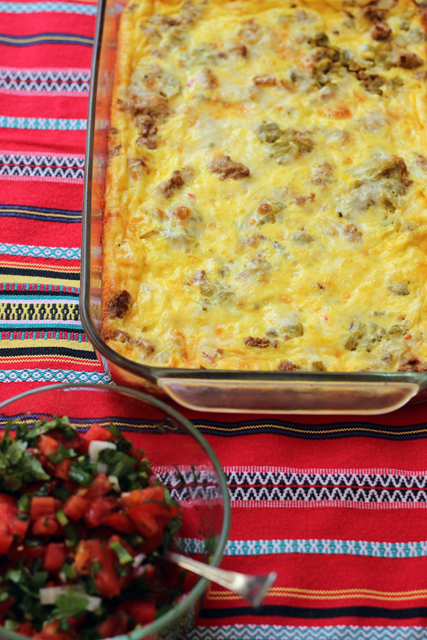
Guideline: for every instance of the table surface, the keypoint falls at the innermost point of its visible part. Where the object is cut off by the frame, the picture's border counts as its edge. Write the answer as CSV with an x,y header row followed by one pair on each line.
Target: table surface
x,y
335,505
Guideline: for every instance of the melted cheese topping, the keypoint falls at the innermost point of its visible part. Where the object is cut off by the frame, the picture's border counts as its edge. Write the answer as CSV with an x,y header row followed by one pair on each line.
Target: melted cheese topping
x,y
306,248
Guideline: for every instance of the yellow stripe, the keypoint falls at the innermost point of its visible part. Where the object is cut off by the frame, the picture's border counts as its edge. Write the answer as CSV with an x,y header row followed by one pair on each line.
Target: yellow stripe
x,y
41,38
44,357
36,265
41,279
39,213
312,431
343,594
69,344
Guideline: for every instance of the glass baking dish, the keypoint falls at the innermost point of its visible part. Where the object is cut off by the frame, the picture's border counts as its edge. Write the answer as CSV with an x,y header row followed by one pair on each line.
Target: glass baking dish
x,y
210,390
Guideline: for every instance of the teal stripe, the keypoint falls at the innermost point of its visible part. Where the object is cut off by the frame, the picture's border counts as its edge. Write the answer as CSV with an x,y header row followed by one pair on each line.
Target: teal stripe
x,y
44,7
58,253
288,632
393,550
53,375
42,124
25,325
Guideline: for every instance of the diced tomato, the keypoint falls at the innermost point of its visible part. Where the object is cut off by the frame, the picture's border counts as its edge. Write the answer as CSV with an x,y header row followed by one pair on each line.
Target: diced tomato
x,y
46,526
25,628
76,507
115,625
106,580
139,496
54,557
5,499
120,522
19,529
62,469
150,517
99,487
42,506
52,631
150,544
6,541
98,510
136,453
77,622
5,606
7,516
48,445
142,612
144,523
77,443
19,552
96,432
129,549
83,558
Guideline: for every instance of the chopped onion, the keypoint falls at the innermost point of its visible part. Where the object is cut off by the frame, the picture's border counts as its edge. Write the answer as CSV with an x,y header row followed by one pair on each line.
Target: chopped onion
x,y
49,595
96,446
101,467
93,603
138,560
114,481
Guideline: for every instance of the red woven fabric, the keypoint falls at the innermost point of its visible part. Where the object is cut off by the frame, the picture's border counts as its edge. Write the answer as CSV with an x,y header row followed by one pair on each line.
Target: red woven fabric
x,y
337,506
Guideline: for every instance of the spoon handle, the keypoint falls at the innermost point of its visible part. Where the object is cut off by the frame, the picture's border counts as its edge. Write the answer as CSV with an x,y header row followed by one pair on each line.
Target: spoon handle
x,y
252,588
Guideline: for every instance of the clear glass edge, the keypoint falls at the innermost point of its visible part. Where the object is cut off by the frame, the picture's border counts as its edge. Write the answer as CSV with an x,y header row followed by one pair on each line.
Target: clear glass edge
x,y
200,587
153,374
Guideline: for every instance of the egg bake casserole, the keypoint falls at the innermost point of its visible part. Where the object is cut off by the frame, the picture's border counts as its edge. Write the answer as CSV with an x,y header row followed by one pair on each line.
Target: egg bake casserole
x,y
266,190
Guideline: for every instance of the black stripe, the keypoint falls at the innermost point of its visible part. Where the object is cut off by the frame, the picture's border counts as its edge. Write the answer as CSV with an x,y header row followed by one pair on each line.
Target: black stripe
x,y
42,273
41,312
39,213
330,430
315,613
45,38
28,294
47,351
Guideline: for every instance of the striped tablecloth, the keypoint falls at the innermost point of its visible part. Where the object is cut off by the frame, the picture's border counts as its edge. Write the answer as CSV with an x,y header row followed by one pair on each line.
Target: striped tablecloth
x,y
336,506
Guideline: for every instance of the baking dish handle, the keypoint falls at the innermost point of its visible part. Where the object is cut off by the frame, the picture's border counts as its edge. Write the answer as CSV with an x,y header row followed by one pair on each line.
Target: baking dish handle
x,y
289,396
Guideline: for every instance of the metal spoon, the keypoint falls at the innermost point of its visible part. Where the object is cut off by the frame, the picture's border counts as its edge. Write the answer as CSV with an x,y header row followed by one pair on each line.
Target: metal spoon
x,y
252,588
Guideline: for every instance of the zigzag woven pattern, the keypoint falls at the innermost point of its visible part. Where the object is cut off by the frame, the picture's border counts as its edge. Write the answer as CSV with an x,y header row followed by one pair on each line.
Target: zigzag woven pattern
x,y
365,548
276,632
50,310
295,486
58,253
42,167
44,7
43,81
42,124
53,375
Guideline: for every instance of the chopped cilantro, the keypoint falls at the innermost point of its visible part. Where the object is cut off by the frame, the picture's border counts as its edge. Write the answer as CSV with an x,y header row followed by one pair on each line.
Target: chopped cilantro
x,y
82,473
73,603
119,464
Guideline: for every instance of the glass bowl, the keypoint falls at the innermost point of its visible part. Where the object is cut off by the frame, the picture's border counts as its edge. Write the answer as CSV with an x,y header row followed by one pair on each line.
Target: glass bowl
x,y
180,457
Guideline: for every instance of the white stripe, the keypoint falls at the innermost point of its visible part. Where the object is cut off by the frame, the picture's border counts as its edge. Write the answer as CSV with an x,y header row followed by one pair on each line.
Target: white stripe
x,y
48,7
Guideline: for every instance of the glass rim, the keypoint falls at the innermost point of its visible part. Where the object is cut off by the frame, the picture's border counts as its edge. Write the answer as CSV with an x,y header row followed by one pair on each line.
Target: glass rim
x,y
182,607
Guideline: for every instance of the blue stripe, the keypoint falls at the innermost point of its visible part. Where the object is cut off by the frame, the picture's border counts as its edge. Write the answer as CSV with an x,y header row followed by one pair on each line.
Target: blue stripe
x,y
45,38
42,124
58,253
51,7
53,375
39,213
25,325
365,548
278,632
39,334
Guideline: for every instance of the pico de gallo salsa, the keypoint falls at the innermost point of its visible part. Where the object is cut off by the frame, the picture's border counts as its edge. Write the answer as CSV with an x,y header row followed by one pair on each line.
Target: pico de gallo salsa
x,y
83,524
